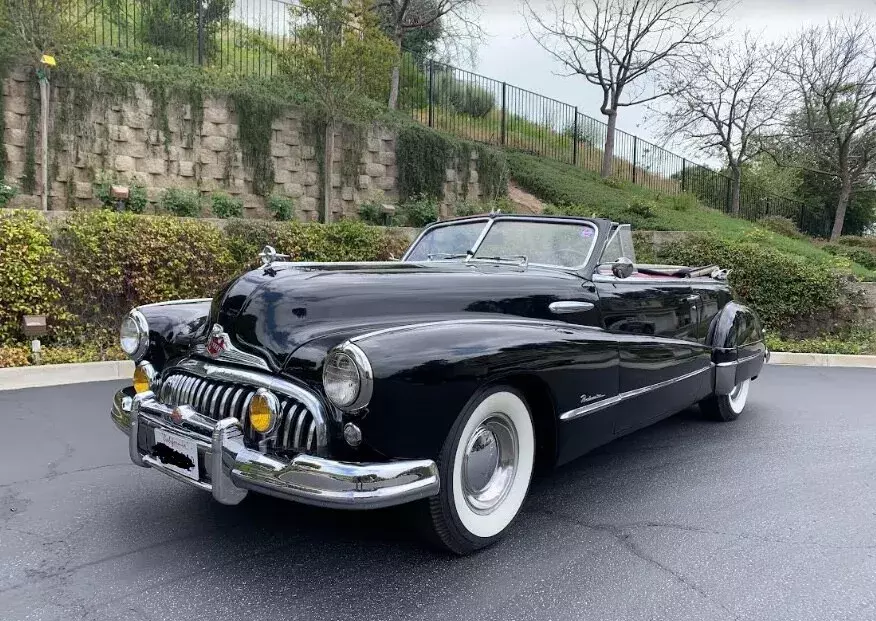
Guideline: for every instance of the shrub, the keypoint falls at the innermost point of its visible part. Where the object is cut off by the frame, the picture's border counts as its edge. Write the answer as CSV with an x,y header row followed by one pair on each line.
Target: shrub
x,y
642,208
860,241
372,213
781,225
179,202
15,356
117,261
780,287
281,206
7,192
466,208
468,99
135,203
858,254
683,202
225,206
347,240
418,211
31,274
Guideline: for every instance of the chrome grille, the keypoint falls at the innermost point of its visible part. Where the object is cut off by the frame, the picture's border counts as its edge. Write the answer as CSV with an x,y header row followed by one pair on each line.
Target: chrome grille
x,y
297,427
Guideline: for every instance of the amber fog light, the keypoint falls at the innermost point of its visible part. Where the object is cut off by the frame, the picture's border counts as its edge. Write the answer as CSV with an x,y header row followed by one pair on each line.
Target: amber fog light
x,y
144,376
263,410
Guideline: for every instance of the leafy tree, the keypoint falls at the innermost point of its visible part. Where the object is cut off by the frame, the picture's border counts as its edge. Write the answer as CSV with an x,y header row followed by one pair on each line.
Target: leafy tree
x,y
834,70
341,59
173,24
615,44
421,23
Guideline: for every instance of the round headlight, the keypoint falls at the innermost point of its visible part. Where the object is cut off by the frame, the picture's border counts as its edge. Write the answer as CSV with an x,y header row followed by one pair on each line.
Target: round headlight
x,y
347,377
263,410
134,335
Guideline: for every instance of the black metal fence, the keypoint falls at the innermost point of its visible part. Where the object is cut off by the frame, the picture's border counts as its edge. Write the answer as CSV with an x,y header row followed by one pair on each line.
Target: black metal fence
x,y
478,108
243,36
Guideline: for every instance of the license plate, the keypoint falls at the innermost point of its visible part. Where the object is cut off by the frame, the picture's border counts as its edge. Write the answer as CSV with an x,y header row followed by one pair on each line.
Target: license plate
x,y
176,453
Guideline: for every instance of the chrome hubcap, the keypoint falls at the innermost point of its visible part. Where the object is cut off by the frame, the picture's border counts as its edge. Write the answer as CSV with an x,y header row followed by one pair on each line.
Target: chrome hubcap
x,y
490,463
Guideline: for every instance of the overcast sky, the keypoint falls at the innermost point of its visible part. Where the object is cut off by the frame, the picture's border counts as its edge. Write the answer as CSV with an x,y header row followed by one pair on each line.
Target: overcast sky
x,y
510,54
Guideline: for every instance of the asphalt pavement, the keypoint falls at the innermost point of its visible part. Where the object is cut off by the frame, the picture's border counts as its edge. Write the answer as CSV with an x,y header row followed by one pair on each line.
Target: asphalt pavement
x,y
772,517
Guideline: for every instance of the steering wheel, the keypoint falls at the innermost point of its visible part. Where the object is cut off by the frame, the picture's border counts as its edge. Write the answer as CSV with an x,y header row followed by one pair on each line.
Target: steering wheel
x,y
574,252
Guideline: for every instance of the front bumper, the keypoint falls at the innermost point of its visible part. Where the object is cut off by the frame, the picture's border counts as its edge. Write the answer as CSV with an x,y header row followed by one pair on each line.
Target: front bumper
x,y
230,469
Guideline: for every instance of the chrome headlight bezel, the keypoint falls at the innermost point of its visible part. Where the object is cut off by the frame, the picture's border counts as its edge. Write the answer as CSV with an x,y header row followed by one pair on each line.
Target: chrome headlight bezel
x,y
140,331
364,372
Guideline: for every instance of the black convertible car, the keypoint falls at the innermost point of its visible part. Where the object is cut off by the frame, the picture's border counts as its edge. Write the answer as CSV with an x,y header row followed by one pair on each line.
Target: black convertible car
x,y
498,344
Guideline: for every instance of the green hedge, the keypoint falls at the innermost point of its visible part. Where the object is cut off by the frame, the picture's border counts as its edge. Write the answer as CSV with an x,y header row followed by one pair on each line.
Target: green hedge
x,y
781,287
86,272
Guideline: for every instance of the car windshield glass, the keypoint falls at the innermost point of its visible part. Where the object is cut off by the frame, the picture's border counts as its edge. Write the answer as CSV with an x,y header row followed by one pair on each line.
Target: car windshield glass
x,y
447,242
566,244
546,243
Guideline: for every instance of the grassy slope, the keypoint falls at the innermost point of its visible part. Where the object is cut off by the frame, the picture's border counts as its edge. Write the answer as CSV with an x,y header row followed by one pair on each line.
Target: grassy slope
x,y
588,194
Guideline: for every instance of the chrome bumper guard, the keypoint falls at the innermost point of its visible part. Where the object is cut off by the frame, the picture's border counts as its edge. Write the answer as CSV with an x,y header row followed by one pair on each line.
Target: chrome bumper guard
x,y
232,469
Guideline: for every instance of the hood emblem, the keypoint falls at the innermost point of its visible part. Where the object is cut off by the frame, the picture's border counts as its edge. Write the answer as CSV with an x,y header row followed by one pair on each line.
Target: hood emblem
x,y
269,255
217,342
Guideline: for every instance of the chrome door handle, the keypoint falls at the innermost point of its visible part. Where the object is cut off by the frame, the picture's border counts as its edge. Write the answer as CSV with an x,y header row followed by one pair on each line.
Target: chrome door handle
x,y
567,307
692,298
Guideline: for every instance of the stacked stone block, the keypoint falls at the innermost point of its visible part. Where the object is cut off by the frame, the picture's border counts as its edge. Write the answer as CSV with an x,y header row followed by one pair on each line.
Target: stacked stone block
x,y
126,138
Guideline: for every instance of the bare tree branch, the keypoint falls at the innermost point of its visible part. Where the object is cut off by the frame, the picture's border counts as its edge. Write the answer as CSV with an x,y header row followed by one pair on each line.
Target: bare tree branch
x,y
615,44
724,98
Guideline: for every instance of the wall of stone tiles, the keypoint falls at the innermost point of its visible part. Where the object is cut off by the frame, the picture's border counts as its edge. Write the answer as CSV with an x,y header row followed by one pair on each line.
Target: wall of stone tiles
x,y
125,138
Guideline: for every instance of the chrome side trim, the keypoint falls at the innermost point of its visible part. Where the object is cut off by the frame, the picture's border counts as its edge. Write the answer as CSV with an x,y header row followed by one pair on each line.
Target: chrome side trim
x,y
669,280
725,374
630,394
255,380
739,361
568,307
175,302
506,320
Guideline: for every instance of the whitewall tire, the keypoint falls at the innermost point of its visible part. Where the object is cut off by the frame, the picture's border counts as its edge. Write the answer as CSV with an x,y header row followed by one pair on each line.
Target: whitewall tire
x,y
485,466
725,408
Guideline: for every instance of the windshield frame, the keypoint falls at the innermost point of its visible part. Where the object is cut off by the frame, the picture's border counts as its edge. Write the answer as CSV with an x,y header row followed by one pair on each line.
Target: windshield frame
x,y
488,224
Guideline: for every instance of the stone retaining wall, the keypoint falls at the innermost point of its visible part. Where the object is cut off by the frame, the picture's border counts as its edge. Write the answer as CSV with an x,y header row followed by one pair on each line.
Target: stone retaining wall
x,y
126,138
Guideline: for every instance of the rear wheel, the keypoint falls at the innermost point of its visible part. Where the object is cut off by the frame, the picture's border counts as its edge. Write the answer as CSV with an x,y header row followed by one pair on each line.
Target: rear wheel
x,y
485,467
725,408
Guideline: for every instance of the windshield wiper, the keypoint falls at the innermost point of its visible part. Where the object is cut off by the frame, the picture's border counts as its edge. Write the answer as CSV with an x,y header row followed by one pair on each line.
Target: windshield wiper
x,y
517,259
444,256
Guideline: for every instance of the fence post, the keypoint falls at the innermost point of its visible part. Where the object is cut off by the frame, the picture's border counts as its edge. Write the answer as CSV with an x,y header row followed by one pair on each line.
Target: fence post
x,y
635,155
431,93
728,199
504,107
575,138
200,32
683,174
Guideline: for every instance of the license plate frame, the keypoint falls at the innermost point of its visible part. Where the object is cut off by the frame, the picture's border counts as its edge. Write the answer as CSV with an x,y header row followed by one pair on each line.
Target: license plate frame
x,y
177,453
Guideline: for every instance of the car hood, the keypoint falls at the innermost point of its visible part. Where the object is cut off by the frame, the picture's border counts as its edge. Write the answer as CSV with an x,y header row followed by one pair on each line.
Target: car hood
x,y
275,311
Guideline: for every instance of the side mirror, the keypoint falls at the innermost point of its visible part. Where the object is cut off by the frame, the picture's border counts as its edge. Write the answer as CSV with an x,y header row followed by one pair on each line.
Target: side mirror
x,y
622,268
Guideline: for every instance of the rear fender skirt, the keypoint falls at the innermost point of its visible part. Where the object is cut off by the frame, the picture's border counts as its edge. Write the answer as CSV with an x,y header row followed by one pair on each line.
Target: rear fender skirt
x,y
737,341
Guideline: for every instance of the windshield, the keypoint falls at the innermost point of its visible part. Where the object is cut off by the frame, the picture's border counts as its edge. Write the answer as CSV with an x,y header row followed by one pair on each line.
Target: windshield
x,y
564,244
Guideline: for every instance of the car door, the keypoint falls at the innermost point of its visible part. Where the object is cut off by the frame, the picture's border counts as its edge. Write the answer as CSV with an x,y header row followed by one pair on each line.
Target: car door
x,y
663,365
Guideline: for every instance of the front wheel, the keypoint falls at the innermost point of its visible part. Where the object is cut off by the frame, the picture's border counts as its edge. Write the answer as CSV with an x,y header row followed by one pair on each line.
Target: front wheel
x,y
725,408
485,467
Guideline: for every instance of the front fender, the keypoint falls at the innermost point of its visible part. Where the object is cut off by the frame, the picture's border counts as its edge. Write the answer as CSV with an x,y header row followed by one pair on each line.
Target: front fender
x,y
737,338
425,374
173,326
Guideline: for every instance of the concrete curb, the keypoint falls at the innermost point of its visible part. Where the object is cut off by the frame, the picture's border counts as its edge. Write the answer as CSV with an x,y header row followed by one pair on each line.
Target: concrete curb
x,y
60,374
822,360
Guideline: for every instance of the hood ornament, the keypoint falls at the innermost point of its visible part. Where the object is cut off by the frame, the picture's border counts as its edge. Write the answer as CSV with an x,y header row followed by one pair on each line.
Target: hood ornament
x,y
217,342
268,255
